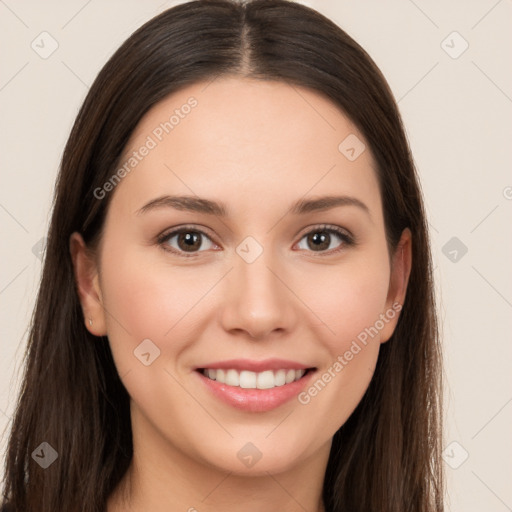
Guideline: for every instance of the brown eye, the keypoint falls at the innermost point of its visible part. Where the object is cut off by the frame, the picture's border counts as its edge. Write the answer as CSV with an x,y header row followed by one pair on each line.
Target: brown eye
x,y
325,240
189,241
319,241
186,241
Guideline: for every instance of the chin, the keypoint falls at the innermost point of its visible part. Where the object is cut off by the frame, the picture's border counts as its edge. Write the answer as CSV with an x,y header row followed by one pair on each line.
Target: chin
x,y
255,458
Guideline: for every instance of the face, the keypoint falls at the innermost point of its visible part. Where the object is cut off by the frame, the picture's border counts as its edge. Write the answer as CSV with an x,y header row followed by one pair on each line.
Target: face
x,y
243,276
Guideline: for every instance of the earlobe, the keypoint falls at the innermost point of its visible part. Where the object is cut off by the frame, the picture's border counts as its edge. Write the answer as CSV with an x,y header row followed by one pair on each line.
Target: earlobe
x,y
398,281
87,285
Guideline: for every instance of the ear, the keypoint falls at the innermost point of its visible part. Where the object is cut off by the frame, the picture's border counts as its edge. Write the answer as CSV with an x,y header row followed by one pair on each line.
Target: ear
x,y
87,281
399,278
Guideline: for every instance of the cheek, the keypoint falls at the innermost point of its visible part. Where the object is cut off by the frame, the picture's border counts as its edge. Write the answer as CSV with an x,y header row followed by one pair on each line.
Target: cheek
x,y
148,300
348,299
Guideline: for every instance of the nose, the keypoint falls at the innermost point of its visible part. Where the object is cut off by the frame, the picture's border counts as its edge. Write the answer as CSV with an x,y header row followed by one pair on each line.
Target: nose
x,y
258,300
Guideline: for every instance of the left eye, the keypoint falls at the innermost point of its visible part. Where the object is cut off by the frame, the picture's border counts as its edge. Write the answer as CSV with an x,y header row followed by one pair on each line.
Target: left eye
x,y
323,239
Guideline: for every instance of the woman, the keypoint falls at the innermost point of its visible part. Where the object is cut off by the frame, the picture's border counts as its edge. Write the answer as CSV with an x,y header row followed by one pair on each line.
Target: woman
x,y
237,298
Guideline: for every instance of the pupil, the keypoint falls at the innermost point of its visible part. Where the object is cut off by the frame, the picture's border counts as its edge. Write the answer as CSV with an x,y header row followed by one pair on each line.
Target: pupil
x,y
319,240
190,240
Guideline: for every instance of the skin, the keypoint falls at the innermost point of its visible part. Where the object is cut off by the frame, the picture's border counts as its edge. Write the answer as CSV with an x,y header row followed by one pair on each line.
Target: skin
x,y
257,147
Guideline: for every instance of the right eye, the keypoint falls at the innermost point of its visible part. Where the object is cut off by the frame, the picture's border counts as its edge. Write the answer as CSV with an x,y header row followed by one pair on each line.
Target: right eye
x,y
186,240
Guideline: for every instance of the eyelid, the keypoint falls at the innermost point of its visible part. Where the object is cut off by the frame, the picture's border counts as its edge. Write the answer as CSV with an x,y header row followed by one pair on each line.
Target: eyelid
x,y
186,227
326,227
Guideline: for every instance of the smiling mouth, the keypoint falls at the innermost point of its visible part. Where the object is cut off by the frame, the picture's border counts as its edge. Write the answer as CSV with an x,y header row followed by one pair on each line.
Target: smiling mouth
x,y
246,379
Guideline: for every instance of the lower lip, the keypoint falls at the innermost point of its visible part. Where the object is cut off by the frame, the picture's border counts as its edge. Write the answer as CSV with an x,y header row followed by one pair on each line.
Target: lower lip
x,y
256,400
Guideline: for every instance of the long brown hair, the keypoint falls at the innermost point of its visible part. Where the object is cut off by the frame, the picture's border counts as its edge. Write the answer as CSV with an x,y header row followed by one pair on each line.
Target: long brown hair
x,y
386,457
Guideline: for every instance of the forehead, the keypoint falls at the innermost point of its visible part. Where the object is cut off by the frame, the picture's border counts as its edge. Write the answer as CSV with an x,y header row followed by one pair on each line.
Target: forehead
x,y
246,140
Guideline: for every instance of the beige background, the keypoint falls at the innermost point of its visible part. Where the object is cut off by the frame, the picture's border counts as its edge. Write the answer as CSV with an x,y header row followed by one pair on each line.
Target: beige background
x,y
457,111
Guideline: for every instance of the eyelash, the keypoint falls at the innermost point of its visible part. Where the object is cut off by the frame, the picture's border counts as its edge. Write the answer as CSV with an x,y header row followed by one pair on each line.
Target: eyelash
x,y
347,239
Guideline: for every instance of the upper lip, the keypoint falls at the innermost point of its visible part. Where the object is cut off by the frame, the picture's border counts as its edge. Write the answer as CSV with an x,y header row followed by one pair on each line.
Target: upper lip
x,y
254,365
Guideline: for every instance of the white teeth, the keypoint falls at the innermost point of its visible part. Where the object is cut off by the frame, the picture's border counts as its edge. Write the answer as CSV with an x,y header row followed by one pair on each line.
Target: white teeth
x,y
280,377
290,376
232,378
247,379
265,380
251,380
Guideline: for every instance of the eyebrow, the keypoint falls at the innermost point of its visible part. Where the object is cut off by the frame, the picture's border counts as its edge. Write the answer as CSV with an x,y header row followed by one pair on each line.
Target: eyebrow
x,y
207,206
